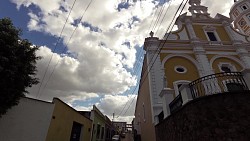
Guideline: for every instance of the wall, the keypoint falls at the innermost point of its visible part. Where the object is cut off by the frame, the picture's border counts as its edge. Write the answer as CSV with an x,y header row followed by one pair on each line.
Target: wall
x,y
225,60
220,117
143,114
172,76
62,121
98,118
28,121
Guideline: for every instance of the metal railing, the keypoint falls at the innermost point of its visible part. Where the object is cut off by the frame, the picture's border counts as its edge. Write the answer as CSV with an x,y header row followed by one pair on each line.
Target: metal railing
x,y
218,83
176,103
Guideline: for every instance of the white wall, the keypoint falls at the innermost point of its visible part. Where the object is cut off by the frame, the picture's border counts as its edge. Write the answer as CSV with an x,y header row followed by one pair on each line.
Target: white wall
x,y
28,121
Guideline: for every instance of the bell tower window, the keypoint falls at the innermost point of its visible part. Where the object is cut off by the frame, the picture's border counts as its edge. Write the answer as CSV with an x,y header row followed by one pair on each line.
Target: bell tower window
x,y
244,7
248,16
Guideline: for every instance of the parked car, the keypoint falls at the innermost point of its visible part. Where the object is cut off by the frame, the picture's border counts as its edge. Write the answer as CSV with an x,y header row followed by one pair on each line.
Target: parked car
x,y
116,138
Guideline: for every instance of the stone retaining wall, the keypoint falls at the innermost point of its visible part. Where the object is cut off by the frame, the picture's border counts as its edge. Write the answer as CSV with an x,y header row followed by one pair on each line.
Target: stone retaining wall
x,y
220,117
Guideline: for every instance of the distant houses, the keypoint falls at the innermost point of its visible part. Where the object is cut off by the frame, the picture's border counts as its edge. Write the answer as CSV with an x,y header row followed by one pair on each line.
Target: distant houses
x,y
36,120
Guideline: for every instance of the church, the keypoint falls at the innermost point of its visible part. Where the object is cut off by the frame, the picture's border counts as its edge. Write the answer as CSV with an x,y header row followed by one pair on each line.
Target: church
x,y
205,61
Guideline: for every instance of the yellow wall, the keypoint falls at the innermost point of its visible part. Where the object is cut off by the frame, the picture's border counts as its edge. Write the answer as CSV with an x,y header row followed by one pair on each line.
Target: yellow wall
x,y
226,60
198,29
172,75
60,126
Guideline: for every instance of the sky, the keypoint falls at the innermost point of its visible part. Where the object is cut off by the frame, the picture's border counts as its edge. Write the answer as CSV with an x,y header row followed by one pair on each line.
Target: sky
x,y
92,54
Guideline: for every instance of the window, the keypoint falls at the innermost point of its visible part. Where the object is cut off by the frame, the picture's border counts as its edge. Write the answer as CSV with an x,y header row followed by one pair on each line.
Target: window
x,y
211,36
248,16
102,133
242,22
225,69
76,132
98,131
236,13
180,69
244,7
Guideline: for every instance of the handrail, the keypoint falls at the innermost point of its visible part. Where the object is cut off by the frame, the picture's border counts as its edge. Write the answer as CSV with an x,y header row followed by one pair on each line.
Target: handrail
x,y
218,83
176,103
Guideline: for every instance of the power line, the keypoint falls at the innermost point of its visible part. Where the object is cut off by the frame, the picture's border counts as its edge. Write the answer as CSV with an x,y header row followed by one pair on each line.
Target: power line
x,y
164,16
156,22
155,25
149,61
137,71
158,52
54,49
66,45
159,16
152,20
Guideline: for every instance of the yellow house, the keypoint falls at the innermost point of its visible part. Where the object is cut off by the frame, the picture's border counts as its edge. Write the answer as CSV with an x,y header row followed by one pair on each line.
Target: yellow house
x,y
68,124
36,120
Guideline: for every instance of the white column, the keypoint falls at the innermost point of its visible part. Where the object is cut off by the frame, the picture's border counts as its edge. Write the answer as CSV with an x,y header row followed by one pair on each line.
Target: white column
x,y
230,32
190,30
243,54
202,59
167,96
198,50
185,93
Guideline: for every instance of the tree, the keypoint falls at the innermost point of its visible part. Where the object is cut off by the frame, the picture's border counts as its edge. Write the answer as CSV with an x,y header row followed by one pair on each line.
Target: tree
x,y
17,65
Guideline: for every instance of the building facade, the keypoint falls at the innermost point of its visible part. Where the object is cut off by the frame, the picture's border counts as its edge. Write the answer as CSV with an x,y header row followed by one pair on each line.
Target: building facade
x,y
38,120
68,124
120,126
240,13
202,46
99,124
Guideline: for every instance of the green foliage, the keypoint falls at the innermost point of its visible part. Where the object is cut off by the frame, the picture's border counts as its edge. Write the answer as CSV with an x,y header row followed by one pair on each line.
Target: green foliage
x,y
17,65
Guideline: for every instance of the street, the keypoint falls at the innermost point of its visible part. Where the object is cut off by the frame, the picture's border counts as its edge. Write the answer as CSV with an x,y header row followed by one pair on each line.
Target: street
x,y
128,137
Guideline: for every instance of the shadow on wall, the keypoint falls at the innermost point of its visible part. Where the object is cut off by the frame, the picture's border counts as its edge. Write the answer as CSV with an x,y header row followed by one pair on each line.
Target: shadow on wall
x,y
215,117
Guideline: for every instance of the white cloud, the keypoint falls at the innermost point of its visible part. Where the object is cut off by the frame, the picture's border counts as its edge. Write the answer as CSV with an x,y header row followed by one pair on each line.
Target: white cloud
x,y
101,60
115,104
72,78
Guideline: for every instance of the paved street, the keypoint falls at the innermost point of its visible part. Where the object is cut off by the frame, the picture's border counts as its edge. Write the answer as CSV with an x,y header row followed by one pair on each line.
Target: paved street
x,y
129,137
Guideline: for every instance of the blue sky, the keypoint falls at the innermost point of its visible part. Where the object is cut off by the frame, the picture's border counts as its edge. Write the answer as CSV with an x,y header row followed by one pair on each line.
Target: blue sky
x,y
20,20
103,58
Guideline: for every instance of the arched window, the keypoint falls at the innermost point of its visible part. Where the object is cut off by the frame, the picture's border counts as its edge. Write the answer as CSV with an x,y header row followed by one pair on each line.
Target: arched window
x,y
226,67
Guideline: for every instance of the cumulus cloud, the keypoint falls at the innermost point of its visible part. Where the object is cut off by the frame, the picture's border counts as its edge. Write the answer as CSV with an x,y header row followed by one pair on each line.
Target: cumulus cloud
x,y
115,104
103,46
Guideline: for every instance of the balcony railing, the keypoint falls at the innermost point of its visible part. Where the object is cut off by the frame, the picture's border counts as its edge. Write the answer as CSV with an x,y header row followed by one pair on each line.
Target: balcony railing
x,y
176,103
218,83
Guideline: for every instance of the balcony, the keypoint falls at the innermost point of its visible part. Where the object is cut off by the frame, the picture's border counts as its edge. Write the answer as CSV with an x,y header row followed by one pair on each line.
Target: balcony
x,y
218,83
227,82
